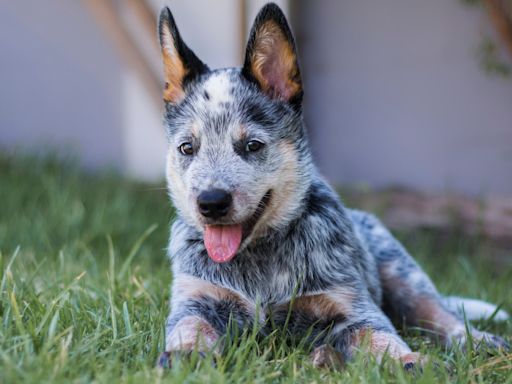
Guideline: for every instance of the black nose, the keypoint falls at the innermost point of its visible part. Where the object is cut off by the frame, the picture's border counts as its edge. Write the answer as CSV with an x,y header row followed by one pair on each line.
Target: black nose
x,y
214,203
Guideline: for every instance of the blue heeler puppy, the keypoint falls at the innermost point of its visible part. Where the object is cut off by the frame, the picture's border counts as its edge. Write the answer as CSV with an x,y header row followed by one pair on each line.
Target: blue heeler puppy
x,y
257,225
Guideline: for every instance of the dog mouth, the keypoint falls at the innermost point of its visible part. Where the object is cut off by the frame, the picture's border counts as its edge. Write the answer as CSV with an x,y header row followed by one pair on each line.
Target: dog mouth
x,y
222,242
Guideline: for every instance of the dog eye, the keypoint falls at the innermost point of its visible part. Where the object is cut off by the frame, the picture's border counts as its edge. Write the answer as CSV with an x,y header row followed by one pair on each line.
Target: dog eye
x,y
186,149
253,146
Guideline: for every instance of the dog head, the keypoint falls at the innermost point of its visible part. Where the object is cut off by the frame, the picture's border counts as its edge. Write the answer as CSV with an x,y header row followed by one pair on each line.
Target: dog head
x,y
238,160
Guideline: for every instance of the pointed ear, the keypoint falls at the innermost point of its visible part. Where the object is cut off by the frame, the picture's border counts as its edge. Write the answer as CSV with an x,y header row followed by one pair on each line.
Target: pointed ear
x,y
271,58
181,65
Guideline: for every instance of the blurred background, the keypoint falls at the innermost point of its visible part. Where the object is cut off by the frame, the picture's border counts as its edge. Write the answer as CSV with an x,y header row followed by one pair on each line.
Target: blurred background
x,y
409,109
400,95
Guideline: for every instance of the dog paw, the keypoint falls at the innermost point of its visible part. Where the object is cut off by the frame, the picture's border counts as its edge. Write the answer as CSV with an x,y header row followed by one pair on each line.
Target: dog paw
x,y
413,361
167,359
483,342
488,342
325,356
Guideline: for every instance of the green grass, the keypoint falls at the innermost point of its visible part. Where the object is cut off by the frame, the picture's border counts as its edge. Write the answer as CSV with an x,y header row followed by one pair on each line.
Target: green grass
x,y
85,285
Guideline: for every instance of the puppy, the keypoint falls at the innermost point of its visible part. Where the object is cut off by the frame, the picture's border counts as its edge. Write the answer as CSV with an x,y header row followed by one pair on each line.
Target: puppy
x,y
260,235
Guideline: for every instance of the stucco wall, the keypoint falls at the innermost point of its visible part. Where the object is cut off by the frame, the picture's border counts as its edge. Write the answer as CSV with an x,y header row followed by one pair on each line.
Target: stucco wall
x,y
395,95
60,82
66,86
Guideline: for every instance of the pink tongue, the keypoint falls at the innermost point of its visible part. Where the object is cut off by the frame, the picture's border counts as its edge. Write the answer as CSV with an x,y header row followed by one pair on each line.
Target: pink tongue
x,y
222,241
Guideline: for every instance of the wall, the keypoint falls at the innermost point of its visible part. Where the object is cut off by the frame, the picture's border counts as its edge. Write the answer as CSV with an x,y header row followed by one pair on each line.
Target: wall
x,y
67,86
60,82
395,95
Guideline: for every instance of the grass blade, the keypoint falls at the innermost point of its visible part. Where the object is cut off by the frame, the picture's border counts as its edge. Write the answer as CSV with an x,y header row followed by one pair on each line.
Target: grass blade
x,y
133,251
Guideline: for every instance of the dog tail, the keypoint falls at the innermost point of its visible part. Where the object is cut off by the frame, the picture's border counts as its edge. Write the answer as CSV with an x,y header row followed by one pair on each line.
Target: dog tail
x,y
474,309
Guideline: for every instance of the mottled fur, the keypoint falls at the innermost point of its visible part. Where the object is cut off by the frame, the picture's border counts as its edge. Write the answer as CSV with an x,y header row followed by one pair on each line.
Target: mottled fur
x,y
335,269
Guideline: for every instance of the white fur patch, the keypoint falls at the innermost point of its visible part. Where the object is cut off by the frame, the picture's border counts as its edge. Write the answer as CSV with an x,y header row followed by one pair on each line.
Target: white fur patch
x,y
474,309
380,231
218,89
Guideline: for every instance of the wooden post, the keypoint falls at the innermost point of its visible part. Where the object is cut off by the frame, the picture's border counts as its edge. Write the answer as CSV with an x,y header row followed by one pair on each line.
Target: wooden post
x,y
107,15
501,17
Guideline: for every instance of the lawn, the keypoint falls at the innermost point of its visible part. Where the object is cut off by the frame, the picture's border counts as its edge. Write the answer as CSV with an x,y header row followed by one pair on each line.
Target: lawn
x,y
85,284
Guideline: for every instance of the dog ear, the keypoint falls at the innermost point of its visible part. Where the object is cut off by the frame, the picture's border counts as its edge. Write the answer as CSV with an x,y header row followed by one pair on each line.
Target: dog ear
x,y
271,58
181,65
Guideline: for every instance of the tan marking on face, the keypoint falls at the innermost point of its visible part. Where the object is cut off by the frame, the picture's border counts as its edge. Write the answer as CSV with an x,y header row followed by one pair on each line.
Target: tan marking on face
x,y
195,129
174,70
240,132
192,332
273,63
175,182
285,191
174,179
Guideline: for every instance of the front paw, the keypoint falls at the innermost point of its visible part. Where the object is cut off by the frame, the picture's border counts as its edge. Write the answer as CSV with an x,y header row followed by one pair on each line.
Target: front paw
x,y
488,341
413,361
167,359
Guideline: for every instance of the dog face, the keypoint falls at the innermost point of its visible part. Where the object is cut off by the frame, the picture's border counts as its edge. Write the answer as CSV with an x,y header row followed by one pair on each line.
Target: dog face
x,y
238,160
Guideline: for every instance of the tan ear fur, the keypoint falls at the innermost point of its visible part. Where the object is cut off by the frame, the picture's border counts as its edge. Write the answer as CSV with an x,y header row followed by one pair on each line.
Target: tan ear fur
x,y
174,69
274,63
181,65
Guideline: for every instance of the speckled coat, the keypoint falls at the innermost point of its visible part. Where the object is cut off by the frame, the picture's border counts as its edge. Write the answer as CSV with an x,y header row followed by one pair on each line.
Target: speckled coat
x,y
336,272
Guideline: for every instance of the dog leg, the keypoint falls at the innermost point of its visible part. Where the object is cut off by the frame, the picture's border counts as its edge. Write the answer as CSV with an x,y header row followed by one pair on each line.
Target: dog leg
x,y
200,313
192,333
377,343
340,322
369,330
381,343
410,294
